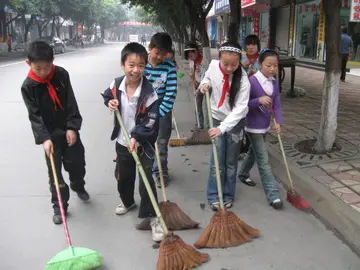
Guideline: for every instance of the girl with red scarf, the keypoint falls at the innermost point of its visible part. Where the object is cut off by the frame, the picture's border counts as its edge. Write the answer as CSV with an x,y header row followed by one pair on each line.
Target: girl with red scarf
x,y
193,54
229,106
250,60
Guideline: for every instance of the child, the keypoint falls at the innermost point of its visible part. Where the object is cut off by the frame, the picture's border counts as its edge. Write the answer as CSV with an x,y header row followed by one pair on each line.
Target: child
x,y
229,105
264,93
161,73
139,107
171,56
250,60
193,54
55,120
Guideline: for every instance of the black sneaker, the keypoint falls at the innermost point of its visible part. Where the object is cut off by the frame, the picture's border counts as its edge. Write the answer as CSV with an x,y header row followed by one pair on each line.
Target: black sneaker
x,y
82,193
57,217
277,204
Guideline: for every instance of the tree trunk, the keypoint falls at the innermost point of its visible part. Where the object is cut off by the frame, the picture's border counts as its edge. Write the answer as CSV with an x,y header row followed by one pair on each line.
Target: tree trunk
x,y
53,27
58,27
235,20
330,100
204,41
193,33
27,27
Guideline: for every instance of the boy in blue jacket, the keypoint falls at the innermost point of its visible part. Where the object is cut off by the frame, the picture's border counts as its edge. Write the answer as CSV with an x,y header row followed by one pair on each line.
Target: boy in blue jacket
x,y
138,104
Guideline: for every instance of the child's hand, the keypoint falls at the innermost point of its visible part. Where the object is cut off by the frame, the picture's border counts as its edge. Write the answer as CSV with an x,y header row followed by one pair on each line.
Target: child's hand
x,y
113,105
133,145
277,128
204,88
265,100
214,132
48,147
71,137
245,63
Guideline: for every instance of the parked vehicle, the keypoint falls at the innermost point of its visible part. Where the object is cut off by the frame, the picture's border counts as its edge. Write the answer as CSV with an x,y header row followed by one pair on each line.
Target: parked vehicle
x,y
57,44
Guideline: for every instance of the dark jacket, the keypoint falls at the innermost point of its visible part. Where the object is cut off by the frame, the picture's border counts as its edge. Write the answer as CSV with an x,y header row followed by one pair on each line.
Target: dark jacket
x,y
46,123
147,115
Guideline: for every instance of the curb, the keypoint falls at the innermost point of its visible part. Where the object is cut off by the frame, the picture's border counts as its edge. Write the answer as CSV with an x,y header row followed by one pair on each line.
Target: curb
x,y
336,215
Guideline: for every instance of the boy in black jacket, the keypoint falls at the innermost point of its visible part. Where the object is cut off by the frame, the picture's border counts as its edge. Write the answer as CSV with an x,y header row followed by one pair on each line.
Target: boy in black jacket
x,y
138,104
55,121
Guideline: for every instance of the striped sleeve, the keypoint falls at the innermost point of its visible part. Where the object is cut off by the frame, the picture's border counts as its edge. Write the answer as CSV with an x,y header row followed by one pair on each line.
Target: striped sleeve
x,y
170,91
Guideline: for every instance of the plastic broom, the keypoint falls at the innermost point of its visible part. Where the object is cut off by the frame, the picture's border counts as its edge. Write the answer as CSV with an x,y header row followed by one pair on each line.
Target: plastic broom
x,y
74,258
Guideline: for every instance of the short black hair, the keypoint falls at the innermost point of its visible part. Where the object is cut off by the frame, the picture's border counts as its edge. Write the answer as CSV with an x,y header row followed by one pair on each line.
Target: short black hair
x,y
133,48
161,41
266,53
253,40
190,47
344,29
40,50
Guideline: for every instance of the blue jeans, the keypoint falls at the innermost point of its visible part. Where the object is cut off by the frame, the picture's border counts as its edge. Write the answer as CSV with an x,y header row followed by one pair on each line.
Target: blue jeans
x,y
257,152
228,149
165,128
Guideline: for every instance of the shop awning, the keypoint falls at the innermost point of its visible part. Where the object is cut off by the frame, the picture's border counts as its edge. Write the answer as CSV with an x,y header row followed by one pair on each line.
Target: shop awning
x,y
253,3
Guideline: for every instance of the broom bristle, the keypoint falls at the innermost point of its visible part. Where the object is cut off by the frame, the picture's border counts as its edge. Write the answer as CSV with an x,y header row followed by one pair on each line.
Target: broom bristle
x,y
175,218
177,142
175,254
297,201
199,136
226,230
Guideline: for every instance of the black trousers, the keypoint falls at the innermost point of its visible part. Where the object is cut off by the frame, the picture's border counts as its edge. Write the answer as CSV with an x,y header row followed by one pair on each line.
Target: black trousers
x,y
344,60
73,160
125,173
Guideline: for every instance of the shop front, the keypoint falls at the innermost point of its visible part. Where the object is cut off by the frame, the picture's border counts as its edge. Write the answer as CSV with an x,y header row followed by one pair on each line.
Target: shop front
x,y
255,20
222,10
350,17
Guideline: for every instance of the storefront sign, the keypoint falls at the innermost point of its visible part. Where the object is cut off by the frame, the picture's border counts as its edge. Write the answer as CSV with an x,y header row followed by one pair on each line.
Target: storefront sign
x,y
256,24
355,11
322,25
247,3
291,26
221,5
308,8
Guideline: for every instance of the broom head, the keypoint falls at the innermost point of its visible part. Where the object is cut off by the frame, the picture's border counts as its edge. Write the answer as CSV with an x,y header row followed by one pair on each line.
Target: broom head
x,y
199,136
175,254
75,258
175,218
177,142
226,230
297,201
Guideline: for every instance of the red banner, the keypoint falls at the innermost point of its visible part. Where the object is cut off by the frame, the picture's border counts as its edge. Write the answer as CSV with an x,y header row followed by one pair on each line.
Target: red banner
x,y
247,3
135,23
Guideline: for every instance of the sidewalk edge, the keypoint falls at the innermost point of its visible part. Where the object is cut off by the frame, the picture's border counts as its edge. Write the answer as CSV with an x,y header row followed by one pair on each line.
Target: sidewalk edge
x,y
336,215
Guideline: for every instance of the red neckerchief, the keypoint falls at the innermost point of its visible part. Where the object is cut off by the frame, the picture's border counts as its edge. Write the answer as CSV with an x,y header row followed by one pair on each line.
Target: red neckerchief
x,y
226,87
252,60
198,61
51,88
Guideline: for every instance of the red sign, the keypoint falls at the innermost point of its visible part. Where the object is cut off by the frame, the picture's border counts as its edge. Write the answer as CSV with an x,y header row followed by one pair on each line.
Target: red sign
x,y
135,23
256,24
355,11
247,3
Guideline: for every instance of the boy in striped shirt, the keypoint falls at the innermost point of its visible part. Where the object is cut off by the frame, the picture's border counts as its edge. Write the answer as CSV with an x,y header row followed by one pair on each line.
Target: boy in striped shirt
x,y
161,72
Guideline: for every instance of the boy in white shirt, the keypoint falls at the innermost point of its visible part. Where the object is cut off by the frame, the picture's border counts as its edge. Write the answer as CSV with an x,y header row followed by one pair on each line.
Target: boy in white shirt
x,y
139,107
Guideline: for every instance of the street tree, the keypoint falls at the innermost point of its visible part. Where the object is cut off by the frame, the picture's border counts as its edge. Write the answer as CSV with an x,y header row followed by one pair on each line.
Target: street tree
x,y
235,20
330,99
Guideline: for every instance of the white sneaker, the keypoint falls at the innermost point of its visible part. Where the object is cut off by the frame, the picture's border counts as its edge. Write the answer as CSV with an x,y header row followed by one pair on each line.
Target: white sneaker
x,y
122,210
157,231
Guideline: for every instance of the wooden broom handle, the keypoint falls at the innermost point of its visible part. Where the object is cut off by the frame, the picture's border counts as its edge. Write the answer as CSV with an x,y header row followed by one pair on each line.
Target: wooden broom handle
x,y
216,159
282,150
196,108
160,172
175,124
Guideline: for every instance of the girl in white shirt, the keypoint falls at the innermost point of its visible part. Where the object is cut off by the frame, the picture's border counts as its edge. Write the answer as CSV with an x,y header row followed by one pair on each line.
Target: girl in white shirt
x,y
229,106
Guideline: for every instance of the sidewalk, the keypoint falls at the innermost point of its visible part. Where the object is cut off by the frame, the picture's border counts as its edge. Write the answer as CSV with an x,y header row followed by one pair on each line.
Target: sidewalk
x,y
330,183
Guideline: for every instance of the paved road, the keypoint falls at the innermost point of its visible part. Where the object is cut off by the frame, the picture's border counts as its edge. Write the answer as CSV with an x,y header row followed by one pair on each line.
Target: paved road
x,y
290,239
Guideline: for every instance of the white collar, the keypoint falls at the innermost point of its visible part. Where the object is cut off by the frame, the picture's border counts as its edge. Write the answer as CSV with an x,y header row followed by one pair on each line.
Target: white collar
x,y
262,78
122,87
